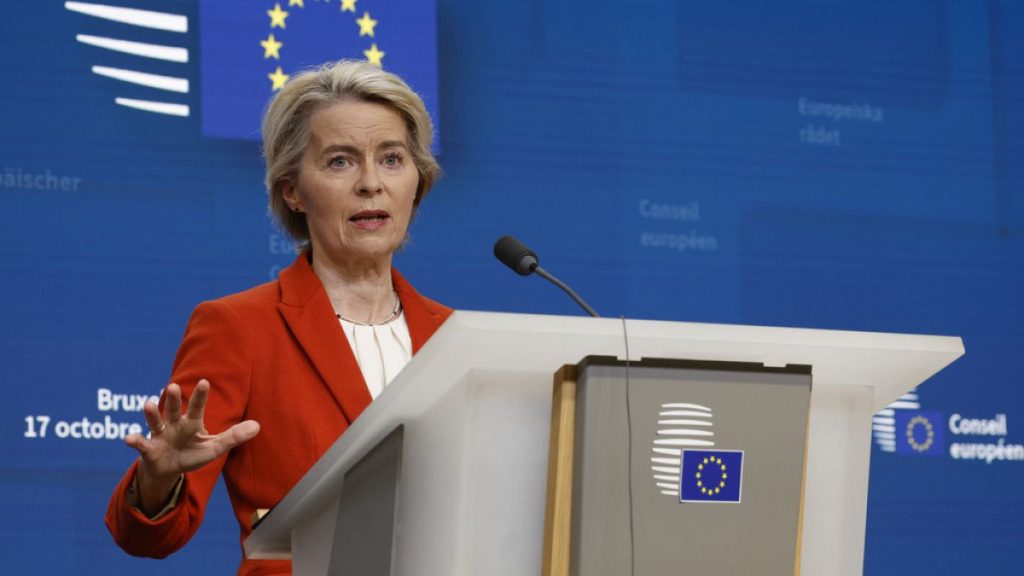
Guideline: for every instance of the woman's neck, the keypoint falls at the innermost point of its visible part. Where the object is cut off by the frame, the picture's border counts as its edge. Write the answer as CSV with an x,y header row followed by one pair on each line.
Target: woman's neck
x,y
359,291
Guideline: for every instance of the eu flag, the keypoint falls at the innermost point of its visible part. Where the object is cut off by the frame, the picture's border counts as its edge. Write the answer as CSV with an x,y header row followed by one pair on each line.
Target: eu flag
x,y
920,432
248,49
711,476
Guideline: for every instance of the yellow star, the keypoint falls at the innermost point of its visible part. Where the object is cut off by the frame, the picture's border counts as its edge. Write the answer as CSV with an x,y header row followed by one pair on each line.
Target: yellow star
x,y
277,16
271,48
373,55
348,6
366,25
296,3
278,78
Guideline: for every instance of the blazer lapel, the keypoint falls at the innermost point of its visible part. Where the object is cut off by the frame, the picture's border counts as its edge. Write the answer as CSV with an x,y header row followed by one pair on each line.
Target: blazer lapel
x,y
310,317
423,319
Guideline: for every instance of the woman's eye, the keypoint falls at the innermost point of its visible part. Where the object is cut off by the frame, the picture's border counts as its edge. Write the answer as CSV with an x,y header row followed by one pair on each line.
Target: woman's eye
x,y
393,159
339,162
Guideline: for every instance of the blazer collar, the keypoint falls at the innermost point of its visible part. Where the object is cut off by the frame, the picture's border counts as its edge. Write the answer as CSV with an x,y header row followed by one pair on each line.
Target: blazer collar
x,y
310,316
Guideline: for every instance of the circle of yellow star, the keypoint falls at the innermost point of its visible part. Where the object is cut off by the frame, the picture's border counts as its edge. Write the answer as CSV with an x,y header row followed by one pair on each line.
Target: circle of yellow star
x,y
721,482
277,16
374,55
278,78
929,431
271,48
366,25
348,6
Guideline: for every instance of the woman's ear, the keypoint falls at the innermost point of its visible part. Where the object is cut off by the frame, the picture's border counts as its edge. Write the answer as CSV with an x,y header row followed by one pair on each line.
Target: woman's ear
x,y
291,197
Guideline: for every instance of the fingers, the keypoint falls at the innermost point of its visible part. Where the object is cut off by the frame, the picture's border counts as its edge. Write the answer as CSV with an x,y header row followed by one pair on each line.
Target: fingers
x,y
172,406
137,441
152,413
197,402
179,443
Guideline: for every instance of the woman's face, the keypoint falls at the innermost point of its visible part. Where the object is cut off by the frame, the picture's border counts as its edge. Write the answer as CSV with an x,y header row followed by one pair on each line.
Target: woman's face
x,y
357,183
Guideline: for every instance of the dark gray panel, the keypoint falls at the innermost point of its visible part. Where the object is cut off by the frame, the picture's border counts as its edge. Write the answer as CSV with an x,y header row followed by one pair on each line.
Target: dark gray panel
x,y
624,523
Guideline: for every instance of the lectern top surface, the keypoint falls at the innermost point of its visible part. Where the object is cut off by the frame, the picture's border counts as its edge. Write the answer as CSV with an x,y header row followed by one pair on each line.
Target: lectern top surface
x,y
889,363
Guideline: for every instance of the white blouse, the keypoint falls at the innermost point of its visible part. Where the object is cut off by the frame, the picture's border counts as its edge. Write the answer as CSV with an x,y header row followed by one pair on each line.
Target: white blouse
x,y
381,350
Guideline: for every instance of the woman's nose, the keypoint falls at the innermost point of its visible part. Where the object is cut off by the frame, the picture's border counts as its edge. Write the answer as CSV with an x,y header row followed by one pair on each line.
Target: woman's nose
x,y
369,181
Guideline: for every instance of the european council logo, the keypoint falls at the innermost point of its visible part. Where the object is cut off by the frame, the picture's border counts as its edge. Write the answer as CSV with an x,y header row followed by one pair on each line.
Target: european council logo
x,y
681,425
920,432
711,476
249,48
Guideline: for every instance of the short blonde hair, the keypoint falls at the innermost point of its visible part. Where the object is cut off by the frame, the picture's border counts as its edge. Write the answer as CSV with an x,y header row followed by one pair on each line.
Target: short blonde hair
x,y
286,129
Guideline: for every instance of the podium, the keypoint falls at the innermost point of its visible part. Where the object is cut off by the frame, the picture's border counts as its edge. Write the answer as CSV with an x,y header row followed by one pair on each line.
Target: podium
x,y
447,471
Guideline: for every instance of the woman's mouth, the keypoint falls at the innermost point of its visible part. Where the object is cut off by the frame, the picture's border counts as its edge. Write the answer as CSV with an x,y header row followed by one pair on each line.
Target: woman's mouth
x,y
370,219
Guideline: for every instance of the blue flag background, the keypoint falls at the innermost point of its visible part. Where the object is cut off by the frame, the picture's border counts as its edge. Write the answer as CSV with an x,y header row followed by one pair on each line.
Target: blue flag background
x,y
845,164
239,55
711,476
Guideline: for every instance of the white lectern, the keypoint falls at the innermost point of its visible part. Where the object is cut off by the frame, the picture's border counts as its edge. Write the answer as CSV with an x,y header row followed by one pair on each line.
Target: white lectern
x,y
475,408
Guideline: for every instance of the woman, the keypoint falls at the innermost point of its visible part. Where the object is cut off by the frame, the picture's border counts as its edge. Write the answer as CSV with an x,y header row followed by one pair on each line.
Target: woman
x,y
278,372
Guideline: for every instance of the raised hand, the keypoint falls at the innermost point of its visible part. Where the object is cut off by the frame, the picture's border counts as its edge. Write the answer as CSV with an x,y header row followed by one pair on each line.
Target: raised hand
x,y
179,442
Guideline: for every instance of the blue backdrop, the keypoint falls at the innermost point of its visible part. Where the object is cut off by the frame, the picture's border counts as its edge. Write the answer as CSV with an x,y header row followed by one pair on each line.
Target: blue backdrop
x,y
848,164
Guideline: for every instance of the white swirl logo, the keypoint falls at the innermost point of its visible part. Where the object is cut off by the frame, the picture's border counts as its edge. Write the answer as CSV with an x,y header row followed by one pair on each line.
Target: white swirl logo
x,y
680,425
133,18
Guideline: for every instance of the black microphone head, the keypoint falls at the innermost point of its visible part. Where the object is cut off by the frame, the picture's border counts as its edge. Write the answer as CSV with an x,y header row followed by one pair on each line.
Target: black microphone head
x,y
515,255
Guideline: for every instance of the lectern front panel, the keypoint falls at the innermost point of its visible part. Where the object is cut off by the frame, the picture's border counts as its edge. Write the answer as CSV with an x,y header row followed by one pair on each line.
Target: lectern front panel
x,y
688,468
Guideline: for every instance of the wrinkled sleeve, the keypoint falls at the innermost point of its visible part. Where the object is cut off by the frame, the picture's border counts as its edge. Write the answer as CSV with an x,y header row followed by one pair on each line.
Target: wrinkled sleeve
x,y
216,348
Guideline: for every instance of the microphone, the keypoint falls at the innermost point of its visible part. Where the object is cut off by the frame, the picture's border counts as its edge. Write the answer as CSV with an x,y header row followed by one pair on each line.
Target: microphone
x,y
514,254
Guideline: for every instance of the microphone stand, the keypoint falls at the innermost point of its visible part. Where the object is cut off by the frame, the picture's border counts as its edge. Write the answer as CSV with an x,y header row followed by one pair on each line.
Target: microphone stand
x,y
547,276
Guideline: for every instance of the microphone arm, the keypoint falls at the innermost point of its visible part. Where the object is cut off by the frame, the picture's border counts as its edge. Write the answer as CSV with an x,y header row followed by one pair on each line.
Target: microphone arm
x,y
576,298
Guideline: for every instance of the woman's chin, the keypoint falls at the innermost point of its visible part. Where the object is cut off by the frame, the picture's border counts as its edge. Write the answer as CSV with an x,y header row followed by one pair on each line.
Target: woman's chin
x,y
371,249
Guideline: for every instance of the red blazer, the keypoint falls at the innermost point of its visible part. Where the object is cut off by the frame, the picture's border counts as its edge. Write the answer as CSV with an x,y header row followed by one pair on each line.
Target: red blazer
x,y
275,354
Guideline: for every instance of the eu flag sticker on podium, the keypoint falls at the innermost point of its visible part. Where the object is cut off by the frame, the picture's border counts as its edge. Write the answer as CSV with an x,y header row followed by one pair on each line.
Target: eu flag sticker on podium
x,y
711,476
248,50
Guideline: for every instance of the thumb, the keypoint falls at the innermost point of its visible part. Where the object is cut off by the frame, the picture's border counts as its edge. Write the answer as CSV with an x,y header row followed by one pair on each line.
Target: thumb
x,y
246,430
239,433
